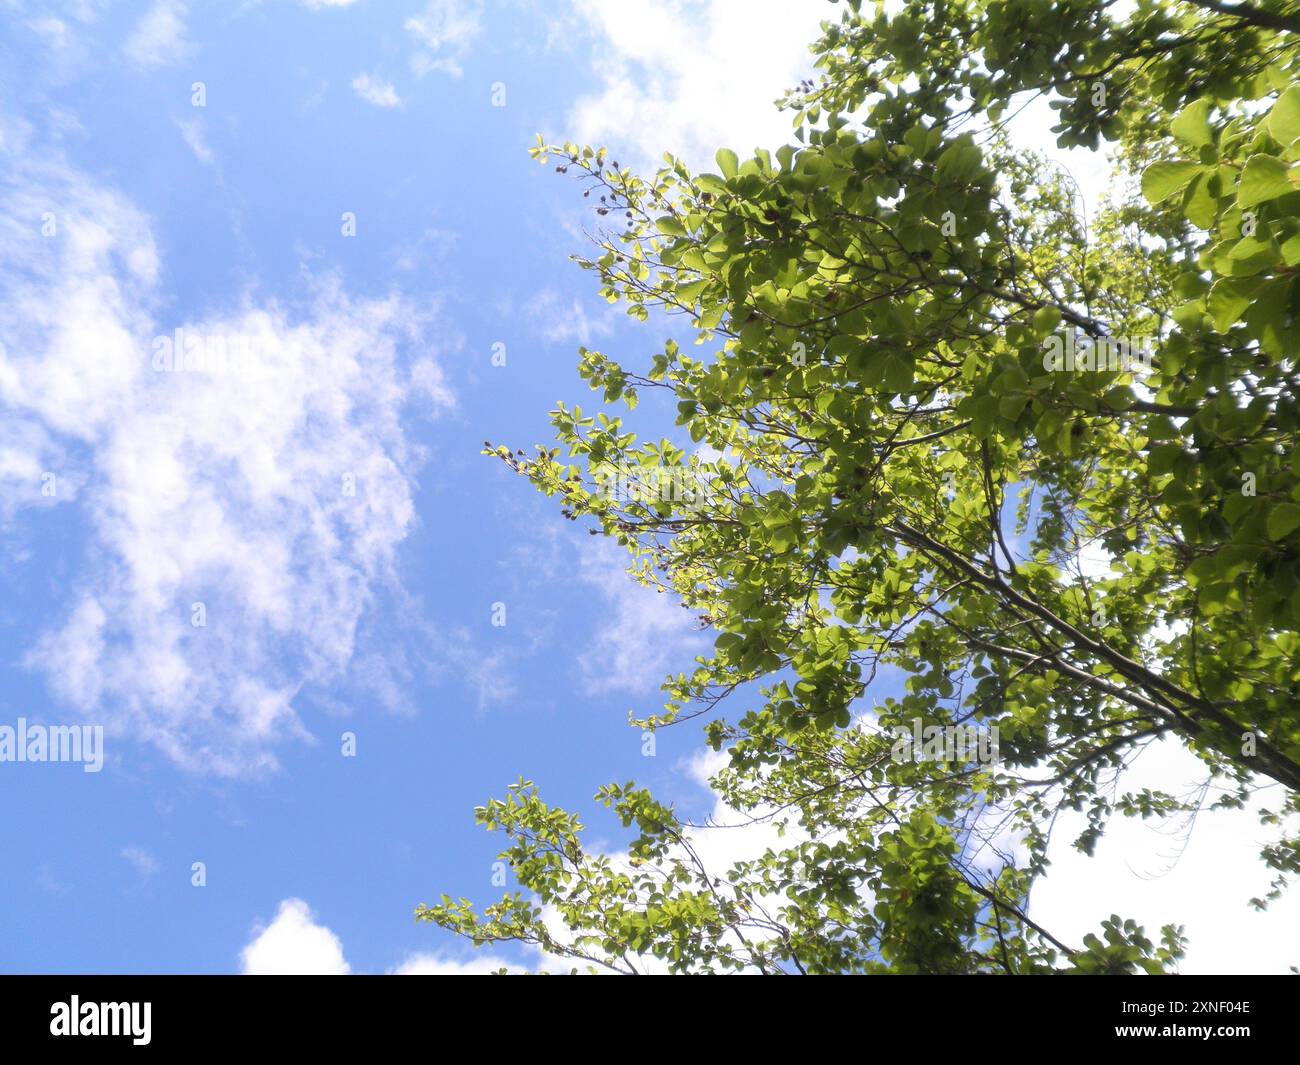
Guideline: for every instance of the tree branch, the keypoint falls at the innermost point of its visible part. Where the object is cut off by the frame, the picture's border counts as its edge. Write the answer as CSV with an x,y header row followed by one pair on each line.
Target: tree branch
x,y
1252,16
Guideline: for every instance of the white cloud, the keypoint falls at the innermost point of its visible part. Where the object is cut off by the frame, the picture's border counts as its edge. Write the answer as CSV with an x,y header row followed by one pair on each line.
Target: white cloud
x,y
317,5
294,945
53,30
645,634
67,34
690,76
144,862
159,37
274,497
444,31
428,380
1201,875
376,91
560,322
192,132
437,965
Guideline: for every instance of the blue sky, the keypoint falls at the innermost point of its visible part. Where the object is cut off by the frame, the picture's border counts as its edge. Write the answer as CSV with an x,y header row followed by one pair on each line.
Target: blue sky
x,y
323,616
326,611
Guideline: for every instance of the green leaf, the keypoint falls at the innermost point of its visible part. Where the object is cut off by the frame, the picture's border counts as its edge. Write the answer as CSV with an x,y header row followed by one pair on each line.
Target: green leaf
x,y
1269,317
896,372
1046,319
1229,299
1200,205
1283,520
1284,118
727,162
1264,178
1192,126
1162,180
1009,407
1119,398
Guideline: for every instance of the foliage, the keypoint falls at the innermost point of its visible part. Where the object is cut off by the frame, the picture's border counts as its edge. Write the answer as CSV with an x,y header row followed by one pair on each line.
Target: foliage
x,y
896,477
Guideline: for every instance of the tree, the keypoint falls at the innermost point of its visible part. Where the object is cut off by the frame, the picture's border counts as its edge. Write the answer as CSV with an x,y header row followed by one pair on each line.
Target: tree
x,y
928,388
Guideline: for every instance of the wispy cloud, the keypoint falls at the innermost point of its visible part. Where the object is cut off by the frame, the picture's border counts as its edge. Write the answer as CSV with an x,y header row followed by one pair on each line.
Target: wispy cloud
x,y
54,30
243,515
159,37
192,132
144,862
444,31
376,91
644,634
560,321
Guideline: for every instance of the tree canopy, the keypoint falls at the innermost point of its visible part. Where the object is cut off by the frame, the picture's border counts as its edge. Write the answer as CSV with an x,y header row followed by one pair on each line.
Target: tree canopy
x,y
927,391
